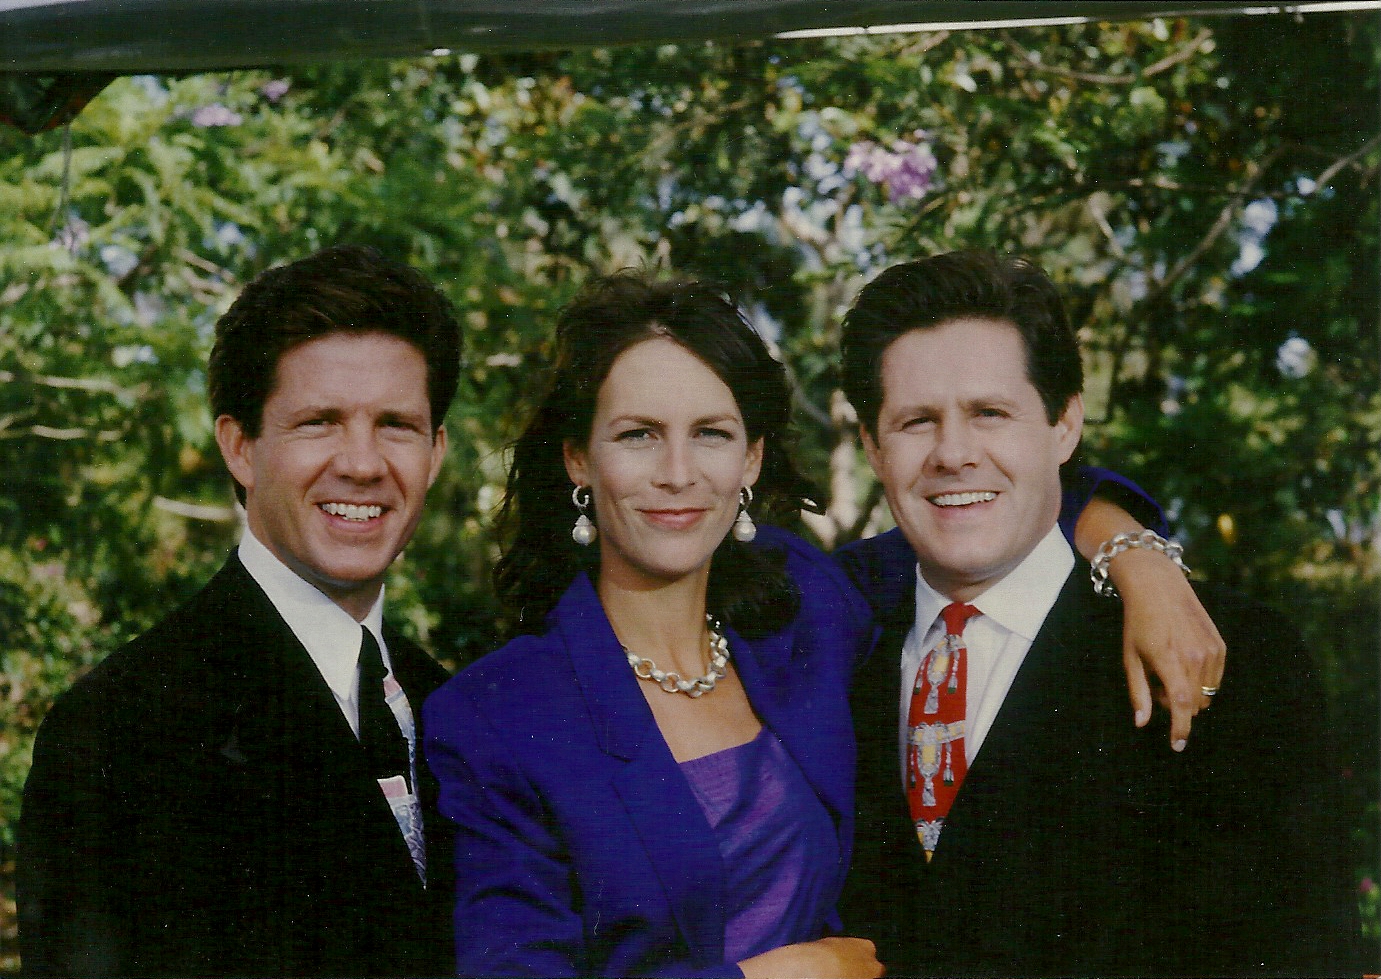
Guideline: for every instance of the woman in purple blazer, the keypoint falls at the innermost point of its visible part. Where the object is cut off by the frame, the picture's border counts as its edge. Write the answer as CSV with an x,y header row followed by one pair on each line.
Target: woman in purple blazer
x,y
657,779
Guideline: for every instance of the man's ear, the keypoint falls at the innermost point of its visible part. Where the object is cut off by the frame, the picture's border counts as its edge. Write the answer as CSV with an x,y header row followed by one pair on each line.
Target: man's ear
x,y
1069,427
438,454
577,466
237,449
870,448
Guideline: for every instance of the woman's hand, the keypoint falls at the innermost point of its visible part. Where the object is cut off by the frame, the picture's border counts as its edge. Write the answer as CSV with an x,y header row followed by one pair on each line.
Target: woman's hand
x,y
1164,626
826,958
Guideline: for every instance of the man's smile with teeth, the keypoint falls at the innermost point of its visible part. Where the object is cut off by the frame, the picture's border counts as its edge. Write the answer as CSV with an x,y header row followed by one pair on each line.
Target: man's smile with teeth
x,y
963,499
353,511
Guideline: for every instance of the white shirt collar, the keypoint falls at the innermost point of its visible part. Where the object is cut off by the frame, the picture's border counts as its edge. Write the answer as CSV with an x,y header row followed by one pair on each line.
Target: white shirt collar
x,y
329,633
1018,602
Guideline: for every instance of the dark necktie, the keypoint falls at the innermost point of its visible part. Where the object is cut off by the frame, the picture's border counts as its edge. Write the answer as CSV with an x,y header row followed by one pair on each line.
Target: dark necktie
x,y
935,728
384,744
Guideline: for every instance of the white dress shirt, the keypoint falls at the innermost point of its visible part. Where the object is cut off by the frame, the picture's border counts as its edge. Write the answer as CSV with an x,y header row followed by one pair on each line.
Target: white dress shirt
x,y
330,634
997,641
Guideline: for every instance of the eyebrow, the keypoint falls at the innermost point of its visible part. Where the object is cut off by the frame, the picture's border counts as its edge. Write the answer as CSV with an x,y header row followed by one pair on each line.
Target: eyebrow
x,y
309,410
328,410
993,400
718,420
650,421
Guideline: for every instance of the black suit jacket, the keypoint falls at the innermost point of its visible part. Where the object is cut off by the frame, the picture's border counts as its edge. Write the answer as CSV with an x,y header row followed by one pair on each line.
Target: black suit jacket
x,y
199,806
1079,845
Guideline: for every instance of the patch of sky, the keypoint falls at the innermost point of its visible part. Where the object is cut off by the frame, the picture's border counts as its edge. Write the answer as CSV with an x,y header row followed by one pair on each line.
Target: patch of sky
x,y
1296,358
153,89
123,357
1256,222
666,192
767,325
1172,151
74,235
118,260
755,220
228,236
1173,401
149,308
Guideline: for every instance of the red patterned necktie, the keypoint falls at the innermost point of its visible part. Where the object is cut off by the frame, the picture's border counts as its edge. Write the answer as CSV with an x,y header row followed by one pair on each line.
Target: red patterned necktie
x,y
935,729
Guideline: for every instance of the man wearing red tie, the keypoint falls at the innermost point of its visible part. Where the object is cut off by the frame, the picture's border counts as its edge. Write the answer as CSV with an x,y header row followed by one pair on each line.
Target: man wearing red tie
x,y
1010,822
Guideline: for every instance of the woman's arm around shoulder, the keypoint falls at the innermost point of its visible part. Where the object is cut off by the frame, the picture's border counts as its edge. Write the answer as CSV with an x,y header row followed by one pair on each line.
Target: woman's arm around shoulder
x,y
829,597
1165,627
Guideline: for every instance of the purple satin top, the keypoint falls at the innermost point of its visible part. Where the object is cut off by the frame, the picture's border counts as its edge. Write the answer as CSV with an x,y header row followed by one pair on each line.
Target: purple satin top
x,y
778,842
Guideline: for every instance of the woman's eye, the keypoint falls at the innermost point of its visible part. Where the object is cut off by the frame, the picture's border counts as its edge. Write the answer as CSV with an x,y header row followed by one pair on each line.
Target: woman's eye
x,y
633,435
716,434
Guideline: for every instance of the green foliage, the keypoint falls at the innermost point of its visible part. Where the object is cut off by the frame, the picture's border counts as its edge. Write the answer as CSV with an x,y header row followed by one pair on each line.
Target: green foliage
x,y
1205,192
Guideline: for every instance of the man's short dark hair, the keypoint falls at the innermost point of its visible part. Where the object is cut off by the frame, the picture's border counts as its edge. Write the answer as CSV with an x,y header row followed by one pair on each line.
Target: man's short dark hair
x,y
929,292
344,289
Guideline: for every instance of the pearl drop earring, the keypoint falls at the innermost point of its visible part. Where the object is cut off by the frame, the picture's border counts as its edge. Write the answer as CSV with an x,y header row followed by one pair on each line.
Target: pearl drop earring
x,y
584,531
744,528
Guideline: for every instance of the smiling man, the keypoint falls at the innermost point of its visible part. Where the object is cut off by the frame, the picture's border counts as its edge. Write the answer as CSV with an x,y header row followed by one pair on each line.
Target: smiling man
x,y
238,791
1009,821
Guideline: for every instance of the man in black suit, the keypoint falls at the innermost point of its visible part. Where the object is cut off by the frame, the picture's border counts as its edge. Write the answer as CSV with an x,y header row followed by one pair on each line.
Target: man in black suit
x,y
1074,844
239,791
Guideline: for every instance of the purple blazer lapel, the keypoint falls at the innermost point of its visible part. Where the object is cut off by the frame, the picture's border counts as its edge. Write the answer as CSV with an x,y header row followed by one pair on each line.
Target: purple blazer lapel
x,y
668,820
784,703
680,847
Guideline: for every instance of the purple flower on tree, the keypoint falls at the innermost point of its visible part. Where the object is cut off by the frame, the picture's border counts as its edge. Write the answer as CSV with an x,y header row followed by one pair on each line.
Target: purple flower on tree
x,y
906,170
275,89
215,114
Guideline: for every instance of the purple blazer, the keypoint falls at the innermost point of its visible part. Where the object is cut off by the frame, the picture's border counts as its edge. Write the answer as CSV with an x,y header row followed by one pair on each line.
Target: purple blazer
x,y
580,847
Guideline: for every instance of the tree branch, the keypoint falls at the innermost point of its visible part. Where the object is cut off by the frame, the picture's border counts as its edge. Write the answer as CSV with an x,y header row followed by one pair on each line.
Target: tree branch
x,y
1338,164
196,511
1184,53
76,384
865,513
1220,225
63,434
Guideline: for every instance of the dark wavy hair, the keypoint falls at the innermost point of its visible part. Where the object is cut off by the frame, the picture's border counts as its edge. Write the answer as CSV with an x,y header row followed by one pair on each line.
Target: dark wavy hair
x,y
929,292
346,288
748,587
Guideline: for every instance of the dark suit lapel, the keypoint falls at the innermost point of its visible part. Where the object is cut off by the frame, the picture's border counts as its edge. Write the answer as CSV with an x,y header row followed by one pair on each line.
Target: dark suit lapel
x,y
286,729
418,673
886,878
278,698
1056,710
877,721
884,569
669,822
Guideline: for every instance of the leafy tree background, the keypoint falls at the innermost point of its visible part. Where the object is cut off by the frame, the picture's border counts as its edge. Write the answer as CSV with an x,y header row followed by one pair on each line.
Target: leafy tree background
x,y
1204,190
